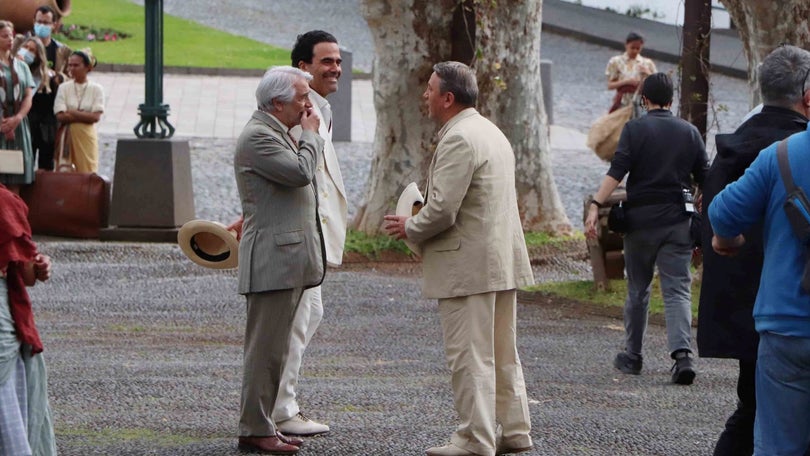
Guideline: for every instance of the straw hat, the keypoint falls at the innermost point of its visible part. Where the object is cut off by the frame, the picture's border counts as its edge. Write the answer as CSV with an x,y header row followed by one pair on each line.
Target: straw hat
x,y
408,205
209,244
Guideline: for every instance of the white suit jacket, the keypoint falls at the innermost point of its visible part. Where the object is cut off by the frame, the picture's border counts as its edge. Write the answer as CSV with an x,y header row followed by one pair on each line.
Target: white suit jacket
x,y
332,205
469,229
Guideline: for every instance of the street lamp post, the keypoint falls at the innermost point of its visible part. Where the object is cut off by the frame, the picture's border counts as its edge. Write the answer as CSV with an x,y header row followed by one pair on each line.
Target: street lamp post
x,y
152,191
154,122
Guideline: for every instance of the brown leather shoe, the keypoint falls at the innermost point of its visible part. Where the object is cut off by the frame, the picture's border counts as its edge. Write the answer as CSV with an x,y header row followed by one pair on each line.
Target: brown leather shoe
x,y
266,445
289,440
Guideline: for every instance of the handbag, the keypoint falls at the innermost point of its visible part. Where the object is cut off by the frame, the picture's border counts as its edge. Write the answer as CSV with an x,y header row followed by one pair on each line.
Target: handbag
x,y
617,219
11,161
603,137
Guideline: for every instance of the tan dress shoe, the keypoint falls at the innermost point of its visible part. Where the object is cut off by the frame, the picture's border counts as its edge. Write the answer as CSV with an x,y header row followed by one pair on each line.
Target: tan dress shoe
x,y
266,445
448,450
302,426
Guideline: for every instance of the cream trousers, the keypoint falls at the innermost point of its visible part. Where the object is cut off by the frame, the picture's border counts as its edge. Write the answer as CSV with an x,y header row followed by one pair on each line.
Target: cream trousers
x,y
487,377
307,319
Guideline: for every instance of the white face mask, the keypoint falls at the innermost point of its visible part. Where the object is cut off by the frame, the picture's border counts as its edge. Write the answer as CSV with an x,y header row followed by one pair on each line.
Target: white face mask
x,y
26,55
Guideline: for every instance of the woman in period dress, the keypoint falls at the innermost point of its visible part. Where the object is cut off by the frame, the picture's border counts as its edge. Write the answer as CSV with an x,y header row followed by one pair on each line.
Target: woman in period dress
x,y
41,118
26,427
626,72
16,93
78,107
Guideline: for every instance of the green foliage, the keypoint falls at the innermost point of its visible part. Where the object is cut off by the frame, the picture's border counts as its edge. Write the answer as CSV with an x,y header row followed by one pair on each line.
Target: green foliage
x,y
373,246
539,239
185,43
584,291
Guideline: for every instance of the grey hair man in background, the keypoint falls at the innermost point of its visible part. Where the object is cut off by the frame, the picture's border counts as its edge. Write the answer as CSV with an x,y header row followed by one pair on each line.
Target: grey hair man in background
x,y
279,256
730,284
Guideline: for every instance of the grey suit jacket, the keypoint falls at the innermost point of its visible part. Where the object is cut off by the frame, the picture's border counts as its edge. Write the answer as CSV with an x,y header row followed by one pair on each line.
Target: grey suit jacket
x,y
469,229
282,244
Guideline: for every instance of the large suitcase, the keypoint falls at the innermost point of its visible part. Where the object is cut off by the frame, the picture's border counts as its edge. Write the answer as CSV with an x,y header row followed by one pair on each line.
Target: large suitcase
x,y
68,204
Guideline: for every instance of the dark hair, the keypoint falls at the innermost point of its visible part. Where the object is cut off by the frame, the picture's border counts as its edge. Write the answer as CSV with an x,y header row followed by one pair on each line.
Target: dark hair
x,y
658,89
458,79
45,9
633,36
305,45
86,58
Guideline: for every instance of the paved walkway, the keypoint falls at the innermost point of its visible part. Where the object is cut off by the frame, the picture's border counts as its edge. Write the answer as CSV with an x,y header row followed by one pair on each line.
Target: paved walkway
x,y
208,106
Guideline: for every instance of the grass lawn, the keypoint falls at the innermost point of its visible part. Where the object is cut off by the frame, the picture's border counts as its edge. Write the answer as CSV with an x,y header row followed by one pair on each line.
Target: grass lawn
x,y
185,43
584,291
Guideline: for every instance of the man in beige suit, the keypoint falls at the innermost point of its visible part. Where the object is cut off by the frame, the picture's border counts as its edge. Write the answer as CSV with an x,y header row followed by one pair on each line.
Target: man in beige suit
x,y
317,53
281,248
474,258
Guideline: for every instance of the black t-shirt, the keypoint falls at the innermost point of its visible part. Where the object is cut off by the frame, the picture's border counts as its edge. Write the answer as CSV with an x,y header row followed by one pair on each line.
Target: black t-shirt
x,y
663,155
50,53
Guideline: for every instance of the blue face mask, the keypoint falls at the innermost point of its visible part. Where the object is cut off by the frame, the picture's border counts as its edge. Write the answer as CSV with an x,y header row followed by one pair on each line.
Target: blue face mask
x,y
42,31
27,56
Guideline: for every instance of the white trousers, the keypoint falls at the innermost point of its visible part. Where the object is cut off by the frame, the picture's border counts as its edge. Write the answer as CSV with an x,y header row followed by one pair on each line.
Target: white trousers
x,y
480,340
307,319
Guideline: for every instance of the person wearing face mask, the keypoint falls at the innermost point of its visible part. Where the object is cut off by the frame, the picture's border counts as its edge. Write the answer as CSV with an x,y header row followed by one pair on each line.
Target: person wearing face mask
x,y
46,22
41,118
16,92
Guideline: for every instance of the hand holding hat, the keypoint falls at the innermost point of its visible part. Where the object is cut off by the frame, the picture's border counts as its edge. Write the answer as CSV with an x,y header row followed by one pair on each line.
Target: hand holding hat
x,y
408,205
211,244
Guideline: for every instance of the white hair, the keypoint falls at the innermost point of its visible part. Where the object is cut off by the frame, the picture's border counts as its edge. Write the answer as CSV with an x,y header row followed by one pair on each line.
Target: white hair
x,y
277,84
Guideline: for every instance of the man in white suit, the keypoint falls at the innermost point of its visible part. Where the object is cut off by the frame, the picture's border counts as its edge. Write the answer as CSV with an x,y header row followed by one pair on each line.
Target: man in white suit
x,y
279,256
474,258
317,53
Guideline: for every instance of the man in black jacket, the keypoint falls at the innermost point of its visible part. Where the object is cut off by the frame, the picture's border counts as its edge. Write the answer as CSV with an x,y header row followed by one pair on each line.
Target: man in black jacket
x,y
730,284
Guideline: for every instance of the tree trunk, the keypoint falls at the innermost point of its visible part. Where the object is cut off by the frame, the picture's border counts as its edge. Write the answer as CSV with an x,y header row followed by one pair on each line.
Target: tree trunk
x,y
511,96
764,25
410,36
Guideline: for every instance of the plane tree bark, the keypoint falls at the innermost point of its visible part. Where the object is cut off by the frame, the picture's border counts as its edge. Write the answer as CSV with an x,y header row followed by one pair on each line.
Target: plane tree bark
x,y
765,25
410,36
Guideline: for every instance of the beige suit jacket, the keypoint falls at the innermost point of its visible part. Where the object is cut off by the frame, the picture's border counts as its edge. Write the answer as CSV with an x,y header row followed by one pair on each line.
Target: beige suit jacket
x,y
469,229
282,244
332,205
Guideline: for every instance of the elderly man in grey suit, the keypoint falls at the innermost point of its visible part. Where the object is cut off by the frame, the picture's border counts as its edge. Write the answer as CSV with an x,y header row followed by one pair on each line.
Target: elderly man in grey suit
x,y
281,252
474,258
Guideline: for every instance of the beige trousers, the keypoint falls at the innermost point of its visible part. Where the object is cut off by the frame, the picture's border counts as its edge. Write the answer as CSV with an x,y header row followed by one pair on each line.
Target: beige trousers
x,y
488,387
267,340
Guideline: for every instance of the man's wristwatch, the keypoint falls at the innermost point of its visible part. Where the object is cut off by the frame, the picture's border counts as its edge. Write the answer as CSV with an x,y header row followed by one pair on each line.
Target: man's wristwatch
x,y
596,203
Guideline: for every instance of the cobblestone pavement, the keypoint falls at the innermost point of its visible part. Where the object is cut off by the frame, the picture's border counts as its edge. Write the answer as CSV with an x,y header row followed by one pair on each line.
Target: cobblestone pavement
x,y
144,348
144,352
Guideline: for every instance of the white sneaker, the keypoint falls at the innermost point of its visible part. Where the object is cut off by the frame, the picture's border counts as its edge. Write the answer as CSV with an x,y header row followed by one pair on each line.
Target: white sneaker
x,y
301,425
